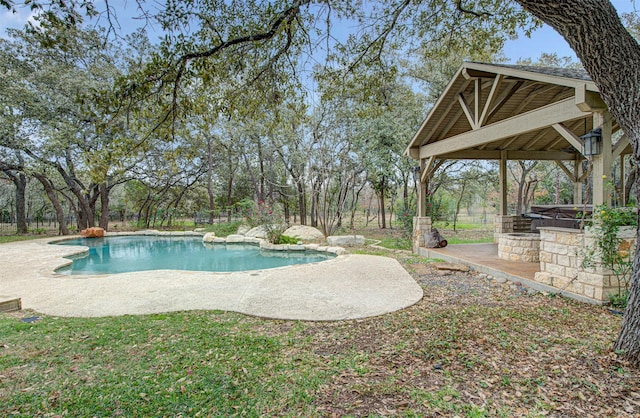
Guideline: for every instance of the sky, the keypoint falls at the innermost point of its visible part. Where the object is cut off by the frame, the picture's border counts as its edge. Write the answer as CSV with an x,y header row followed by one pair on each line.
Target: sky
x,y
542,40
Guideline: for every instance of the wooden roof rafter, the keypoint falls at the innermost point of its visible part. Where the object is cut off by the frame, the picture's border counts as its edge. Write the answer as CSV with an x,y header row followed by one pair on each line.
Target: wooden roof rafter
x,y
489,107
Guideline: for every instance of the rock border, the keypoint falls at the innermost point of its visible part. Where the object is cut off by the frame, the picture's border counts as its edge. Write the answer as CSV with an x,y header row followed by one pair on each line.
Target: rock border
x,y
265,245
238,239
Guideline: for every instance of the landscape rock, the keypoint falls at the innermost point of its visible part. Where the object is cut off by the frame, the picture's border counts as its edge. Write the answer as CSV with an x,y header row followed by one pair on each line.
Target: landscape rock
x,y
304,232
258,232
209,237
243,229
234,238
94,232
336,250
345,240
451,266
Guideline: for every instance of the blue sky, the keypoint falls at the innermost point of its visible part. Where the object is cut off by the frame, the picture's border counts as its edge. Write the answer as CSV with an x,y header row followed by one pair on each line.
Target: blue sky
x,y
543,40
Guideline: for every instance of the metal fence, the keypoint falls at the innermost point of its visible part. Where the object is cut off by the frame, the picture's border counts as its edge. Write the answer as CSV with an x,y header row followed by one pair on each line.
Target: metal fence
x,y
48,224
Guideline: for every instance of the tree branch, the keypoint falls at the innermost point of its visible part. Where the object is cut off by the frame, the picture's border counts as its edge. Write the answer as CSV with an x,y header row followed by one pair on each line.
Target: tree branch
x,y
471,12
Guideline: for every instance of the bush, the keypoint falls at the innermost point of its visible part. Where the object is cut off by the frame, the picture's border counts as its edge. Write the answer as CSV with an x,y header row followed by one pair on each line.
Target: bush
x,y
285,239
605,226
224,229
270,218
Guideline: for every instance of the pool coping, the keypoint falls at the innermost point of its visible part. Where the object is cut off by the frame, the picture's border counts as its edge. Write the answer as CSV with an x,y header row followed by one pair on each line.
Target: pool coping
x,y
349,286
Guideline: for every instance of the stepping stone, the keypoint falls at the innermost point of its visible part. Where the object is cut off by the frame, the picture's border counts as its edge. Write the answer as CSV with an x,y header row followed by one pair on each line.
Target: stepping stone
x,y
451,266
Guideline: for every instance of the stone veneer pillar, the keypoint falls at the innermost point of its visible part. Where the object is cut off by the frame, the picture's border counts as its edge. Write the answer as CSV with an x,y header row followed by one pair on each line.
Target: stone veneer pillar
x,y
421,224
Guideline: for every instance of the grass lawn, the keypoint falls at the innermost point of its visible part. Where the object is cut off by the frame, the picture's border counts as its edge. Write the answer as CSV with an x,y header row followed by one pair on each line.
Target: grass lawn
x,y
14,238
472,347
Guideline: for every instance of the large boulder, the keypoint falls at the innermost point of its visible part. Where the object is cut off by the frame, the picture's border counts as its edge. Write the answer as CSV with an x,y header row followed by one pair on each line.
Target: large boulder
x,y
243,229
235,238
304,233
94,232
345,240
258,232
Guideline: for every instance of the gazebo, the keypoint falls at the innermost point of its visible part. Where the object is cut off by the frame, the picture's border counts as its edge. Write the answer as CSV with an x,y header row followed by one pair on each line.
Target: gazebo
x,y
513,112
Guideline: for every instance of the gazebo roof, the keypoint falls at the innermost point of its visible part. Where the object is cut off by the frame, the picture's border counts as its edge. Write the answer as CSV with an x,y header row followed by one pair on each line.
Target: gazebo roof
x,y
493,111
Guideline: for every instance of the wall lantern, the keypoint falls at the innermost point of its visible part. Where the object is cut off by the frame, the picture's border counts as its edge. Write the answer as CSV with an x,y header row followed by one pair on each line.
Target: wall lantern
x,y
592,142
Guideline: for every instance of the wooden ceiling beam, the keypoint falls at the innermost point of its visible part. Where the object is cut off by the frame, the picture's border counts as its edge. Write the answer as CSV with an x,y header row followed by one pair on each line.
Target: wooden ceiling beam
x,y
527,122
444,114
471,154
467,110
535,140
509,142
491,99
568,135
504,98
531,96
566,171
620,146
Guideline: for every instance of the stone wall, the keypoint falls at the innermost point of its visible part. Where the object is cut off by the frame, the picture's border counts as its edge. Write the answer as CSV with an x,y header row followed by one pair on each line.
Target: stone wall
x,y
562,255
519,247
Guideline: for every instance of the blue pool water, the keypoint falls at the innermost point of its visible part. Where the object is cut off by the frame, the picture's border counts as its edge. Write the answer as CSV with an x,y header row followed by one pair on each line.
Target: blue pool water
x,y
139,253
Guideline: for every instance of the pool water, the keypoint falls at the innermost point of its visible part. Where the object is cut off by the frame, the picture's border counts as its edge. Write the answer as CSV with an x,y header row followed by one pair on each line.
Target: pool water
x,y
139,253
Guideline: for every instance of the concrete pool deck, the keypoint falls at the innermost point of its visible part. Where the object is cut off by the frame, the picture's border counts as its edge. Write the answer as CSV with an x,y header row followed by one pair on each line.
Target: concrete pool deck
x,y
348,287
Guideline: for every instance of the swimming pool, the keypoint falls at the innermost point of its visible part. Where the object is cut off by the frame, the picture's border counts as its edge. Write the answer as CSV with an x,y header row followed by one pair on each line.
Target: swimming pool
x,y
139,253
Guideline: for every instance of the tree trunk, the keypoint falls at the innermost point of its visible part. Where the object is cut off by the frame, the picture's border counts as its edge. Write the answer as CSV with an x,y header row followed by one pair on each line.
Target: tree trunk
x,y
104,206
210,180
21,203
302,202
51,194
612,58
383,225
20,181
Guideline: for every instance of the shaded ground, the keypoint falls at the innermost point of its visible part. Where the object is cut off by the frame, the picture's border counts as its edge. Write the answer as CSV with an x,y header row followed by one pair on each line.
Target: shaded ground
x,y
476,347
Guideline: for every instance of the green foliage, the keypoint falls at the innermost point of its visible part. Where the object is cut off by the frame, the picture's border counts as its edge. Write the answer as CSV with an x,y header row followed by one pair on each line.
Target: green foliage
x,y
285,239
619,300
405,213
611,251
223,229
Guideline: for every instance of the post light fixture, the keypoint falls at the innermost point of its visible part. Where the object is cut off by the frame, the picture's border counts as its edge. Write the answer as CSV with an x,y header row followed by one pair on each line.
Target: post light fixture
x,y
592,142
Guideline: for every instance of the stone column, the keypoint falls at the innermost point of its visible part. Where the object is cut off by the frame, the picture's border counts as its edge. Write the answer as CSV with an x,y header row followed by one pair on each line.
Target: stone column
x,y
421,225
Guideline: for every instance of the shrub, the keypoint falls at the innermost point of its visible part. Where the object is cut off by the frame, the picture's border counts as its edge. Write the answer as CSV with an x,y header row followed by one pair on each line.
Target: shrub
x,y
613,254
